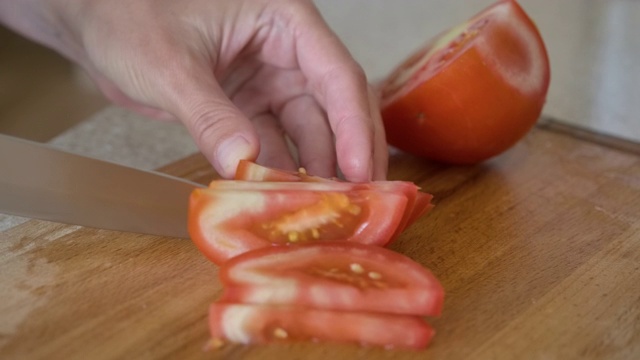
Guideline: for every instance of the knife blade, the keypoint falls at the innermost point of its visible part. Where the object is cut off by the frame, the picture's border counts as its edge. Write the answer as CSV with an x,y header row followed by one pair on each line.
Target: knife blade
x,y
39,181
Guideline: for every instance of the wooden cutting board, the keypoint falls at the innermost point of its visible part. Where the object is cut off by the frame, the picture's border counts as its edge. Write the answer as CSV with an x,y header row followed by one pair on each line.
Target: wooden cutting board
x,y
538,250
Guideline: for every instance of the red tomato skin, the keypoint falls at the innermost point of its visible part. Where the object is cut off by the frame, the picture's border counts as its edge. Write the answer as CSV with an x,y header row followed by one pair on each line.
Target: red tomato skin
x,y
466,113
197,233
257,324
411,290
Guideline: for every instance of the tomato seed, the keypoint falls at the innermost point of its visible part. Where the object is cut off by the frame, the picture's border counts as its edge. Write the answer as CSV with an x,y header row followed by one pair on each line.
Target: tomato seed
x,y
280,333
293,236
356,268
354,209
375,276
213,344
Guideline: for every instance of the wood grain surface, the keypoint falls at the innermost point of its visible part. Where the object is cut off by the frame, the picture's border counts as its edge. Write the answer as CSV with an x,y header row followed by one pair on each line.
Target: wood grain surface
x,y
538,250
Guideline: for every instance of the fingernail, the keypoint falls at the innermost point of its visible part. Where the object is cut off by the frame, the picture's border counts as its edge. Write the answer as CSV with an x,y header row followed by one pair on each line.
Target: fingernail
x,y
230,152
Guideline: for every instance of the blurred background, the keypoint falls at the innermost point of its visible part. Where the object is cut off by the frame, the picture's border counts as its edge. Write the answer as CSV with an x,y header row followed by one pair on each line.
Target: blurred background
x,y
41,94
594,61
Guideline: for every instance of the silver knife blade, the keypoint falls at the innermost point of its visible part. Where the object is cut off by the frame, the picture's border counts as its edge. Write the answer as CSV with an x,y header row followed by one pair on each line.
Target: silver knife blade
x,y
38,181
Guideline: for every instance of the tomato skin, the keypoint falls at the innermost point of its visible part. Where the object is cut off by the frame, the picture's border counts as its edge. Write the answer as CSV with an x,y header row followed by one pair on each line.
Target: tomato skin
x,y
231,219
334,276
469,110
251,324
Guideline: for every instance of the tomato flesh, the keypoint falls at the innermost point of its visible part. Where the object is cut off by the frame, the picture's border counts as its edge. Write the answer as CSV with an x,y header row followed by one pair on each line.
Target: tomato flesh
x,y
224,222
248,170
251,324
418,203
335,276
471,93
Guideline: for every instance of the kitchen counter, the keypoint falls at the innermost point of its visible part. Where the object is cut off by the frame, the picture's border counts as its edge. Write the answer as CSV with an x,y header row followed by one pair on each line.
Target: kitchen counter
x,y
539,249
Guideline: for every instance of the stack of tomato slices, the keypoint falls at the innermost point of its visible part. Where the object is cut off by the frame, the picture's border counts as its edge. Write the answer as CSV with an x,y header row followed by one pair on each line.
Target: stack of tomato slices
x,y
302,259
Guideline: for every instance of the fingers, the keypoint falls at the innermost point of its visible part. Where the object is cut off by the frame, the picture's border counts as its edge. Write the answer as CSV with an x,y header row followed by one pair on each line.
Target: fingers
x,y
340,85
381,150
223,134
305,122
274,150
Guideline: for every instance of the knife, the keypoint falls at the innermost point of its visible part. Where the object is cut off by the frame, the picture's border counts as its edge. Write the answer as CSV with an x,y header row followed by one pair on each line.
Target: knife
x,y
38,181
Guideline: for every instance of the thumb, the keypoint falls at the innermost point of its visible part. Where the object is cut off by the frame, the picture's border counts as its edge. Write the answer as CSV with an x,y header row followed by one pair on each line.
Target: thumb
x,y
221,131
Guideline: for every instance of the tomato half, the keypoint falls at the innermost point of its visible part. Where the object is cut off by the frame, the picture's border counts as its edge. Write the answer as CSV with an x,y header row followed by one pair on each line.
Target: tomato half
x,y
232,219
471,93
251,324
332,275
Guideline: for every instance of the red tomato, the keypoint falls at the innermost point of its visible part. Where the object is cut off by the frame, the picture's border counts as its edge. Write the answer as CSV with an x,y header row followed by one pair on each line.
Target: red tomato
x,y
418,203
230,219
250,171
333,276
251,324
471,93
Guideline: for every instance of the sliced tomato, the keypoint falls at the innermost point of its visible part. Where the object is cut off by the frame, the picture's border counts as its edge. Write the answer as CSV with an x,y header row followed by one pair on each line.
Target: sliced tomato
x,y
257,324
252,172
414,209
333,275
471,93
248,170
422,205
225,222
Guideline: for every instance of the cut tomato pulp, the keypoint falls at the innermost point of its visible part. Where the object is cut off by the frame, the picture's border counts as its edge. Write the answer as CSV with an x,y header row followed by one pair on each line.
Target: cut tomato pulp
x,y
251,324
302,258
227,222
337,276
235,216
332,291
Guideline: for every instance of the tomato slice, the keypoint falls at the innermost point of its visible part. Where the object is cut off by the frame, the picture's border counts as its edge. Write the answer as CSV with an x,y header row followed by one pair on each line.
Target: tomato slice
x,y
225,222
471,93
250,171
333,275
418,203
251,324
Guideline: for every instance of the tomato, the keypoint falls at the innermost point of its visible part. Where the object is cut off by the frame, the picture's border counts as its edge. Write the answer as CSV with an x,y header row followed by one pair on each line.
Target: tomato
x,y
418,203
471,93
421,205
332,276
251,324
230,219
250,171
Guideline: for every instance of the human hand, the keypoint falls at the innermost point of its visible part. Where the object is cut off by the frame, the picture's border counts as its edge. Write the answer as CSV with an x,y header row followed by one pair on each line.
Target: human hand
x,y
238,73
